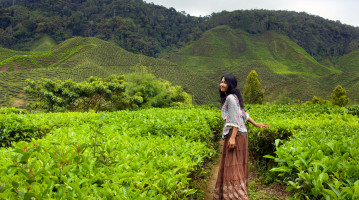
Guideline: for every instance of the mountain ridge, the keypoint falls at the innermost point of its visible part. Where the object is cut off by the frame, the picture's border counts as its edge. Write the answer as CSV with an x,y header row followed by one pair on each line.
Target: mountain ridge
x,y
152,30
295,54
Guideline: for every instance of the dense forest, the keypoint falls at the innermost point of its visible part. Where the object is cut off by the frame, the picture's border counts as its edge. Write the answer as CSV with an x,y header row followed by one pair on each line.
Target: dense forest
x,y
319,37
150,29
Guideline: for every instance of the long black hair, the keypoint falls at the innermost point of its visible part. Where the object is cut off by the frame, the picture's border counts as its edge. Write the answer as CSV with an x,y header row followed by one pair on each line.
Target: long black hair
x,y
231,81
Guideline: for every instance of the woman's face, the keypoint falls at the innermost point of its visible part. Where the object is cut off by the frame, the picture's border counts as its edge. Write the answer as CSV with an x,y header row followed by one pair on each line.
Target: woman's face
x,y
223,85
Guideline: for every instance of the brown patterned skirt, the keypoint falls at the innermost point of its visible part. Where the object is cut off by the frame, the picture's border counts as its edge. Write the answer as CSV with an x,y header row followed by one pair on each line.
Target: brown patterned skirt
x,y
232,180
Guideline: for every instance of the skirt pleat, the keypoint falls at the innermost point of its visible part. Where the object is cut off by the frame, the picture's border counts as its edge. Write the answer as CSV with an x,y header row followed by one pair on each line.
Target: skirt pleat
x,y
232,180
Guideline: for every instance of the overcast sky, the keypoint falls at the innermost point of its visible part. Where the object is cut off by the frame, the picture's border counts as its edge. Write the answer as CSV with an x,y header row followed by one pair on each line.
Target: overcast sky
x,y
346,11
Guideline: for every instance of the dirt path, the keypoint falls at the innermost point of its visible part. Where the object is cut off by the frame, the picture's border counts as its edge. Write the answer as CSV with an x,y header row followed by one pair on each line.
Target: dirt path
x,y
211,183
257,191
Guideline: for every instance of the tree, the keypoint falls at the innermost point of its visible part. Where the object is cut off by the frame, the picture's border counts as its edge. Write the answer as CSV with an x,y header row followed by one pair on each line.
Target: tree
x,y
114,92
155,92
252,90
338,96
96,93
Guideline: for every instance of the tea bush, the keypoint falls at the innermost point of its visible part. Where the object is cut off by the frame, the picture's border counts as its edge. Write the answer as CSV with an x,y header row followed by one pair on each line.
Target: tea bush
x,y
145,154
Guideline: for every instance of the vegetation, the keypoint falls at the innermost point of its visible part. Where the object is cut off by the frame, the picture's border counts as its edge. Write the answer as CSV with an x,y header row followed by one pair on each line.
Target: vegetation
x,y
43,44
8,110
151,153
253,94
95,93
293,62
312,33
338,96
105,94
313,146
319,100
158,153
223,48
80,58
349,62
154,92
150,29
137,26
287,72
91,152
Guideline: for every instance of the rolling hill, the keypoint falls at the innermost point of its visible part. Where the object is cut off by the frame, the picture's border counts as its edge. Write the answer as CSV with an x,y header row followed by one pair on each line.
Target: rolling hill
x,y
349,62
227,47
153,30
79,58
287,72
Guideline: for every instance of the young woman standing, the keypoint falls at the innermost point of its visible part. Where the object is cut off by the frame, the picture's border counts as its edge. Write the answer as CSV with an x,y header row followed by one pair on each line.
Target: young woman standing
x,y
232,180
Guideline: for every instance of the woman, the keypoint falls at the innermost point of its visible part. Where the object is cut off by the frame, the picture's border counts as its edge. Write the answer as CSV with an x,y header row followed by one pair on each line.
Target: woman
x,y
232,180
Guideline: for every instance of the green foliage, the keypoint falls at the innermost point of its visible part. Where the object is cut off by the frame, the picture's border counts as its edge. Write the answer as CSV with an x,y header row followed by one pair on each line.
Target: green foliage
x,y
338,96
31,60
354,110
283,98
349,62
318,100
155,92
253,94
150,29
225,47
284,74
14,126
324,38
271,42
147,154
95,93
285,70
114,92
8,110
80,58
135,25
45,43
320,158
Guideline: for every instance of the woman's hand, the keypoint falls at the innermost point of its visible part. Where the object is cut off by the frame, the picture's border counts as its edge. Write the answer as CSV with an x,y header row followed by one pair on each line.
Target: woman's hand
x,y
232,139
261,125
232,143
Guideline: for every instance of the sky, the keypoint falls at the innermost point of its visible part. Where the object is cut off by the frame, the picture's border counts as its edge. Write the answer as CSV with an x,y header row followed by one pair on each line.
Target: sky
x,y
346,11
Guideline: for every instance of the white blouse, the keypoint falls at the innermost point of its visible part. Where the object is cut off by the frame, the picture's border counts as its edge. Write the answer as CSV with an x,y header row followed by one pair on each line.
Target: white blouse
x,y
234,115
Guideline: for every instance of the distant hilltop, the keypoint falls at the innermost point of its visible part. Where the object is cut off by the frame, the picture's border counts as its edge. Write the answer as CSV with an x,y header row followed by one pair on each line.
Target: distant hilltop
x,y
153,30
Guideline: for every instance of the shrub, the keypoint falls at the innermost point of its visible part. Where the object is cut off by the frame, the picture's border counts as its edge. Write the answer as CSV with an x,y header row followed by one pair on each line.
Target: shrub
x,y
338,96
252,89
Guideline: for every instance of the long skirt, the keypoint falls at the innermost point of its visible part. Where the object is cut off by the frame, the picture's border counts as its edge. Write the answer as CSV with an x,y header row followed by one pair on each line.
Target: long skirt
x,y
232,180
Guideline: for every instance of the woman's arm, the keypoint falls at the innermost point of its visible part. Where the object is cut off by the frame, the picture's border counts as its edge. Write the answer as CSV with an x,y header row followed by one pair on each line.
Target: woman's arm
x,y
261,125
232,139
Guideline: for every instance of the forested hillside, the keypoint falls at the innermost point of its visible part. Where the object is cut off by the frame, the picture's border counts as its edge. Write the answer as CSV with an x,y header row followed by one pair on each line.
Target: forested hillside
x,y
136,26
150,29
321,38
297,56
